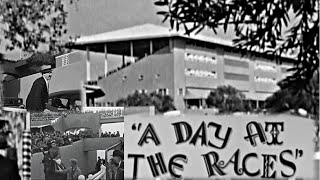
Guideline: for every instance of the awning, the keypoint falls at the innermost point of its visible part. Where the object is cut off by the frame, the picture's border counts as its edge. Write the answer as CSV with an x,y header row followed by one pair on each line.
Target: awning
x,y
94,91
197,94
67,94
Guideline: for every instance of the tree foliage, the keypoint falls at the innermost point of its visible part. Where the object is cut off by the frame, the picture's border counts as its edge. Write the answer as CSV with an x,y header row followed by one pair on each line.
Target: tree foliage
x,y
28,24
226,99
287,99
162,103
277,28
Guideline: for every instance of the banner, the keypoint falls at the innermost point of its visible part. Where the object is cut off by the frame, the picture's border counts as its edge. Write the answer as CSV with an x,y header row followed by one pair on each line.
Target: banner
x,y
219,146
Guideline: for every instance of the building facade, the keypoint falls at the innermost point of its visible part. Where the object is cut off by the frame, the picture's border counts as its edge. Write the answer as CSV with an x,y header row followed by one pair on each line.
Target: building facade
x,y
187,69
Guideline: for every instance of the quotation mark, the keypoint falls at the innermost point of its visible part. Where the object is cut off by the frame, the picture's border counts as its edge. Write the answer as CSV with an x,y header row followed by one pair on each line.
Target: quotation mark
x,y
299,153
134,127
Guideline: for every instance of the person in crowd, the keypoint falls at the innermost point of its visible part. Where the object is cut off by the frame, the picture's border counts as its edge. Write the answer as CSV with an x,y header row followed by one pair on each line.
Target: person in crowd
x,y
38,97
118,134
118,156
8,168
98,164
115,173
73,172
57,103
71,105
55,154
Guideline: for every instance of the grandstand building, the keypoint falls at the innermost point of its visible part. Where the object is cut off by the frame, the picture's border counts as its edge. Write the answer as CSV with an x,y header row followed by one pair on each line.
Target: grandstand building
x,y
187,68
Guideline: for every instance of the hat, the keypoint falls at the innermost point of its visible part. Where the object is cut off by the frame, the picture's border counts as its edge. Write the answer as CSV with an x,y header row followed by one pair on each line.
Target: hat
x,y
117,153
3,142
53,141
81,177
45,68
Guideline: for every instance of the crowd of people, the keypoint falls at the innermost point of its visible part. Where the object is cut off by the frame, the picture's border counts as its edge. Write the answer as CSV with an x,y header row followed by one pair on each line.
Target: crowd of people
x,y
109,134
115,166
43,139
48,143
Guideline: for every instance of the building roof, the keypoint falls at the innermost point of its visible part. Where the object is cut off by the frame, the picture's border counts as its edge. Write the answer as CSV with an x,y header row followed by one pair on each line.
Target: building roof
x,y
145,31
150,31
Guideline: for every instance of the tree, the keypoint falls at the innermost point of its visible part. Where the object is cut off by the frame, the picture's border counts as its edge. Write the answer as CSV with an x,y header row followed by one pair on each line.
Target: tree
x,y
226,99
28,24
138,99
162,103
286,99
276,28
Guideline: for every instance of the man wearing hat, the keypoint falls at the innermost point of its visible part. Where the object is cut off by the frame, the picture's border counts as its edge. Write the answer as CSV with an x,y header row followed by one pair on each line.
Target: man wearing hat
x,y
118,156
8,168
115,173
55,154
39,93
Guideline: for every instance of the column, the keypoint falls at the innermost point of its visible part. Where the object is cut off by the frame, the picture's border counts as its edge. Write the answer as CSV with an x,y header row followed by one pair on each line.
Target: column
x,y
204,104
131,50
88,64
123,60
83,95
170,45
105,60
151,47
100,131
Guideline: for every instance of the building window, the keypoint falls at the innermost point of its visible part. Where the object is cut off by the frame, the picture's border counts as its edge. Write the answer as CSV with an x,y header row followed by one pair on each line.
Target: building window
x,y
236,63
200,73
142,91
163,91
200,58
180,92
238,77
265,67
265,80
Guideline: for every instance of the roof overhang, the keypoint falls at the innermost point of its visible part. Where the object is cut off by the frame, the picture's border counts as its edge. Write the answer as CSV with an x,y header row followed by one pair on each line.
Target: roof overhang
x,y
68,94
121,39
